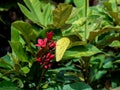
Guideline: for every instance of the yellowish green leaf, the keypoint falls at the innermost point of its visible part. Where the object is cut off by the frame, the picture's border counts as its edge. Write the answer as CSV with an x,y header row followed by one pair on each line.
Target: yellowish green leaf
x,y
78,51
115,43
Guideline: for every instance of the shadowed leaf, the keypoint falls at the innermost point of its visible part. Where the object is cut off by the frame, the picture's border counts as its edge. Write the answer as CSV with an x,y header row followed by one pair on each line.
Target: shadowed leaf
x,y
61,14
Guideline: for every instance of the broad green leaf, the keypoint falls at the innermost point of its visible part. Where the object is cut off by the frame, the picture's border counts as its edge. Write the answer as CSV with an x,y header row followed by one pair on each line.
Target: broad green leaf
x,y
26,31
116,88
5,62
79,3
115,16
74,14
15,36
56,87
13,58
72,86
45,85
112,9
72,33
66,68
78,51
97,60
111,5
19,51
51,88
19,82
108,65
114,84
75,40
80,21
108,6
115,43
61,46
4,77
38,12
94,34
7,85
68,1
78,43
27,12
99,74
47,15
61,14
77,86
25,69
107,40
116,61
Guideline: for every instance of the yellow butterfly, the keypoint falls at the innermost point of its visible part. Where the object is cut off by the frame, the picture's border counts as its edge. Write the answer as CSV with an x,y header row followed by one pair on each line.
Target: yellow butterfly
x,y
61,46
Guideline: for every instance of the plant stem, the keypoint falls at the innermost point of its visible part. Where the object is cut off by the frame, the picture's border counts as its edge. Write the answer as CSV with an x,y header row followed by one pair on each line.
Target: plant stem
x,y
116,5
86,9
42,74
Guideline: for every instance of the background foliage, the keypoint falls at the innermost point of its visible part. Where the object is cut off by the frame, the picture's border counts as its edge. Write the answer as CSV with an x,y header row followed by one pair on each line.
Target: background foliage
x,y
87,46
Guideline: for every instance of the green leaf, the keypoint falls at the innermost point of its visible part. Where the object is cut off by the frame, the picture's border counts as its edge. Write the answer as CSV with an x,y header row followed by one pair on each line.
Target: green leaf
x,y
117,88
112,9
94,34
80,21
74,13
115,43
78,43
45,85
77,52
61,46
19,51
77,86
15,36
26,31
4,77
75,40
7,85
68,1
115,16
19,81
114,84
108,6
5,62
99,74
37,11
115,4
108,39
51,88
97,60
25,69
81,4
108,65
116,61
72,86
61,14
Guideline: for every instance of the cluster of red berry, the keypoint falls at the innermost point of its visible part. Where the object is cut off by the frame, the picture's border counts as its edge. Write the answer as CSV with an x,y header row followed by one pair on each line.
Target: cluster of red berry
x,y
46,52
